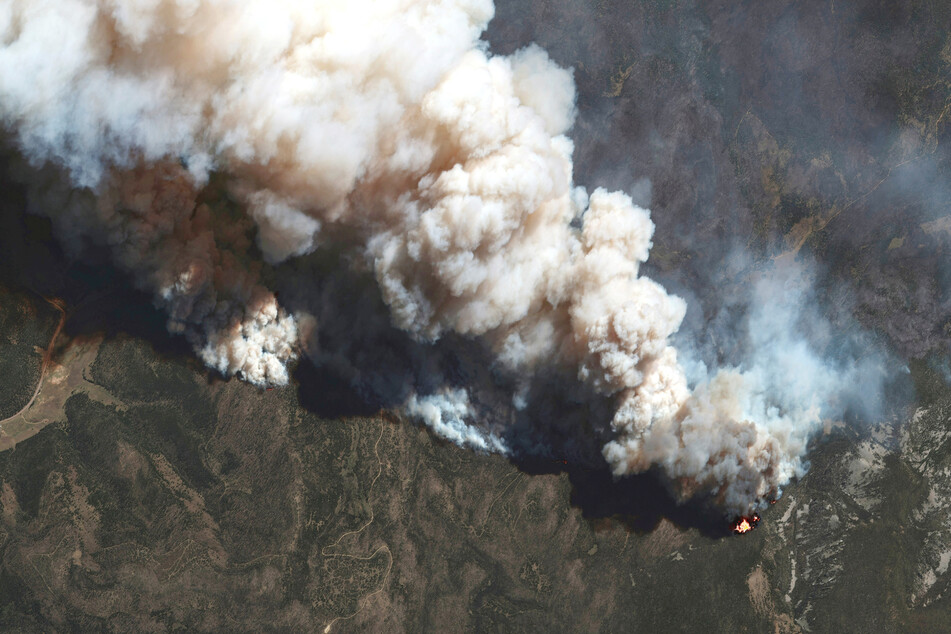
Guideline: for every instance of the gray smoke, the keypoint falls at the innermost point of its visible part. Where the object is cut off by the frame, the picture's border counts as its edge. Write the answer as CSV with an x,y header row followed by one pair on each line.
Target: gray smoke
x,y
205,142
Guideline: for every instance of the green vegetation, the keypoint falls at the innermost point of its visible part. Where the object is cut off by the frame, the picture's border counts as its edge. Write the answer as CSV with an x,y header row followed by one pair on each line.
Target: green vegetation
x,y
168,498
26,325
204,505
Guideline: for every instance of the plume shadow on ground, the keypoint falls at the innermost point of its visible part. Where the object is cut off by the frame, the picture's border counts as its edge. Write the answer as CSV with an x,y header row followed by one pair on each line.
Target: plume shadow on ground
x,y
100,300
366,366
638,503
327,394
359,364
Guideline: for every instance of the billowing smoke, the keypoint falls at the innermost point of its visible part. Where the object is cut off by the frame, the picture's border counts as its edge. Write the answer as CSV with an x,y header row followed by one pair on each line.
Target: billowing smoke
x,y
204,141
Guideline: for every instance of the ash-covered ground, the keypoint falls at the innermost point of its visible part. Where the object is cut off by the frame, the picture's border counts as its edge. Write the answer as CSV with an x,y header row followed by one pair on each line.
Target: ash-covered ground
x,y
143,492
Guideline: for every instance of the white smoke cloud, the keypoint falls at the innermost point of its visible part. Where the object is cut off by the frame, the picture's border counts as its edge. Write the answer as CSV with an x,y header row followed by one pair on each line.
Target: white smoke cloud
x,y
386,130
744,431
446,413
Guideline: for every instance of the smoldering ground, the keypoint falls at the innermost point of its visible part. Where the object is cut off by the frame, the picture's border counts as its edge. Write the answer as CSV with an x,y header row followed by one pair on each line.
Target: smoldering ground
x,y
483,373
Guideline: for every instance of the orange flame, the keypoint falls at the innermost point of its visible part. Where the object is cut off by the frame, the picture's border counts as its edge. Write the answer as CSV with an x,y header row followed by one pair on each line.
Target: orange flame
x,y
744,524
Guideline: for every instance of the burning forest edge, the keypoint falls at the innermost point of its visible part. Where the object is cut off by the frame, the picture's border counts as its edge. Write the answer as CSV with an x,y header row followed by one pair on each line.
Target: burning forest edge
x,y
444,173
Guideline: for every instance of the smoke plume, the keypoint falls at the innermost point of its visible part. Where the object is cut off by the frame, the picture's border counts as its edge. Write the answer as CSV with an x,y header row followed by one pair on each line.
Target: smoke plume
x,y
205,141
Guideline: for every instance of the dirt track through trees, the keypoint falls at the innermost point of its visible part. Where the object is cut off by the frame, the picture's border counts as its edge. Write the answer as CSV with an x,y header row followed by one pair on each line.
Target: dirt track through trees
x,y
47,358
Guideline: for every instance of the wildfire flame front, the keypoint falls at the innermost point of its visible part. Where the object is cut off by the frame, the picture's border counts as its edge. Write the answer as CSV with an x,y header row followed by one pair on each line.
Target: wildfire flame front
x,y
745,524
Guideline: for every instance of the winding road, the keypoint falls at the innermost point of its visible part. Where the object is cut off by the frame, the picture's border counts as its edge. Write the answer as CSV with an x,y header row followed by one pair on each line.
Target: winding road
x,y
47,357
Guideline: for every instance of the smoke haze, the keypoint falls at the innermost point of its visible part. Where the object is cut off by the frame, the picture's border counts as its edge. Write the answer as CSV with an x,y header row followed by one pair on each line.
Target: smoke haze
x,y
216,148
